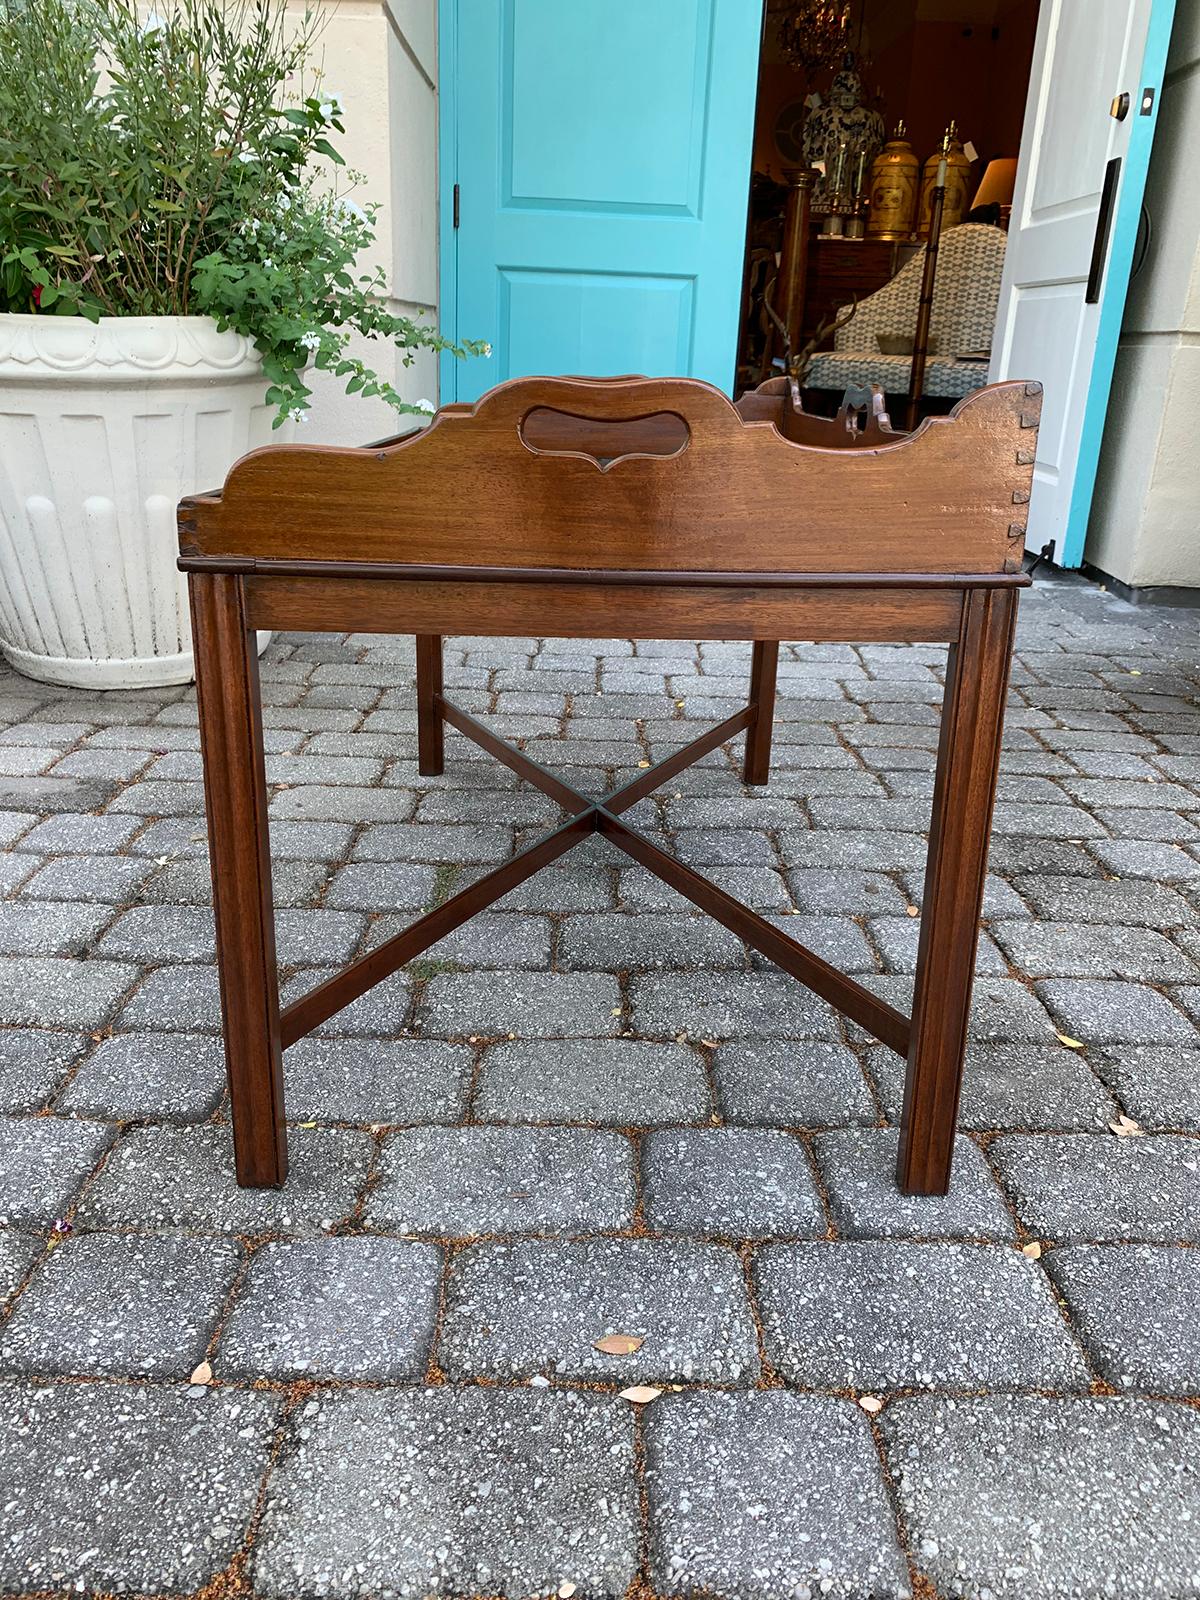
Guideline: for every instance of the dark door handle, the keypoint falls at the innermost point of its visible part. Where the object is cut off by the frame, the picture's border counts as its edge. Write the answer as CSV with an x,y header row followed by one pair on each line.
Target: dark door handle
x,y
1104,218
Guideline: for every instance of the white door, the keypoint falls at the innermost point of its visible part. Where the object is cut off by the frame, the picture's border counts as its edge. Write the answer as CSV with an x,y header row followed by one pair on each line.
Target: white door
x,y
1079,187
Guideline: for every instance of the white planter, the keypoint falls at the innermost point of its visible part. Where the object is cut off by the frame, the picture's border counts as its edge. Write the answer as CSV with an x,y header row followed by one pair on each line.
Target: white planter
x,y
103,428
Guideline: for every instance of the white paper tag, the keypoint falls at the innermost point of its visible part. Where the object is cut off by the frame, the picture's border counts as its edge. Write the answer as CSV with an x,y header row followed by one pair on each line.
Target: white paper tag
x,y
970,151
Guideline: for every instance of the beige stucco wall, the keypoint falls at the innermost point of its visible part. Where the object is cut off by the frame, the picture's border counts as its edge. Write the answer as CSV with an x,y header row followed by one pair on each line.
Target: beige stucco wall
x,y
381,56
1145,523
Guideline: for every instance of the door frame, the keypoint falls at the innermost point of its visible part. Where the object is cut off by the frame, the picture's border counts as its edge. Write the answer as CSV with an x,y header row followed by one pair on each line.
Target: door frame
x,y
1120,259
447,168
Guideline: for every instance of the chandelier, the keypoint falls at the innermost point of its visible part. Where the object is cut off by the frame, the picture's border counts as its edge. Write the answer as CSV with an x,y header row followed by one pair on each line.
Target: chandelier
x,y
812,33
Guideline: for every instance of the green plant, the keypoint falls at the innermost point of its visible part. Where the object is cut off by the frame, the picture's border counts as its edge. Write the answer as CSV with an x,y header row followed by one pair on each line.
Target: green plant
x,y
183,164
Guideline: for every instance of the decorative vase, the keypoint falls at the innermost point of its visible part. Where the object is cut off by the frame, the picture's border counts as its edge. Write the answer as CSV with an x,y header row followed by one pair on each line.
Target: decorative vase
x,y
103,428
958,183
895,178
843,120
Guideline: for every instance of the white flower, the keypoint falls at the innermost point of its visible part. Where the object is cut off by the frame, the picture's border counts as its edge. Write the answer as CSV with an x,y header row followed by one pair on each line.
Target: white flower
x,y
298,414
311,340
154,24
346,209
246,157
332,106
284,203
425,405
487,350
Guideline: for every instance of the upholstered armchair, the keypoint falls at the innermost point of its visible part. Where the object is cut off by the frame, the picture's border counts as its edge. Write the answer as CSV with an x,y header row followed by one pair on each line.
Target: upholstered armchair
x,y
965,297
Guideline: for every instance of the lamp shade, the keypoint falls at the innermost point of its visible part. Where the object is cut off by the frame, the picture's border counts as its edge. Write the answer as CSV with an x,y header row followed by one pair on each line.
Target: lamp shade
x,y
997,184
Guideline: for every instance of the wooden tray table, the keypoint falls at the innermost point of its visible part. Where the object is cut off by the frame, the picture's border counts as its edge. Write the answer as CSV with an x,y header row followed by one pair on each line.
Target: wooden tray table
x,y
588,508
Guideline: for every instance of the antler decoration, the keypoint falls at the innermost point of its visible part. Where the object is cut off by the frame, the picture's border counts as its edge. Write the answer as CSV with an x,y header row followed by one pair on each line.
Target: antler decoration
x,y
797,365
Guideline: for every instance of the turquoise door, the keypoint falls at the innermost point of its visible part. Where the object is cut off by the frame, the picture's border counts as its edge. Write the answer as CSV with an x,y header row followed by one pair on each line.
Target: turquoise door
x,y
595,155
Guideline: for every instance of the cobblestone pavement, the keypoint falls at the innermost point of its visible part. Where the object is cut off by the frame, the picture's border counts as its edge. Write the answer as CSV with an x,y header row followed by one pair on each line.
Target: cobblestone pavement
x,y
591,1112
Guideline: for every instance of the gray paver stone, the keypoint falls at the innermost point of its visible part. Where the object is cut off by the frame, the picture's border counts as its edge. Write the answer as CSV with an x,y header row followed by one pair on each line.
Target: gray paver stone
x,y
806,1083
1011,1086
858,1168
121,1306
537,1306
621,1082
43,1161
615,941
1135,1308
110,879
162,1178
737,1183
457,1182
889,1314
730,1005
533,1004
1098,1187
1026,1498
179,1077
17,1251
452,1491
184,997
1081,950
1159,1085
376,1080
57,992
768,1494
333,1308
171,1479
32,1062
49,928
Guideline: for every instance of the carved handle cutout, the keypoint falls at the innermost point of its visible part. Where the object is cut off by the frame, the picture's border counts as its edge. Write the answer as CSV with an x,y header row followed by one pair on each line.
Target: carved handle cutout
x,y
605,442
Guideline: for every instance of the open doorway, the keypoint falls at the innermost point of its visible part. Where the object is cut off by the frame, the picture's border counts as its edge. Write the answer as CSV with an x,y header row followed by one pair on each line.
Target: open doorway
x,y
858,101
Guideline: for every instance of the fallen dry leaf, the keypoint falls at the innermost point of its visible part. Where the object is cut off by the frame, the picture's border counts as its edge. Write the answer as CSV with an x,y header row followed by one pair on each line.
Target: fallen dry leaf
x,y
202,1374
618,1344
643,763
641,1394
1071,1044
615,1012
566,1590
1126,1128
912,911
871,1404
1033,1250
